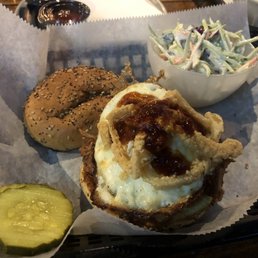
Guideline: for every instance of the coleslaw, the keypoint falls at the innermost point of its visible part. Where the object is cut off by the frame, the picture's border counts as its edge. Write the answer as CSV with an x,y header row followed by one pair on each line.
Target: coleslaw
x,y
208,49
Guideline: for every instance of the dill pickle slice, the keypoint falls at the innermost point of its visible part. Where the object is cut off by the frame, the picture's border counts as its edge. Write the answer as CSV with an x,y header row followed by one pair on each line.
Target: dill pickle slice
x,y
33,218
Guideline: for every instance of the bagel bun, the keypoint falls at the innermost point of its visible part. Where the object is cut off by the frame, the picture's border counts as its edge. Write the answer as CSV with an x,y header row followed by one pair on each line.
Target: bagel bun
x,y
156,162
67,102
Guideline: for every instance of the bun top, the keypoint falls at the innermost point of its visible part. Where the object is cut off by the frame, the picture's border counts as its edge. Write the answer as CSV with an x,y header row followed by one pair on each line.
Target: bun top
x,y
67,101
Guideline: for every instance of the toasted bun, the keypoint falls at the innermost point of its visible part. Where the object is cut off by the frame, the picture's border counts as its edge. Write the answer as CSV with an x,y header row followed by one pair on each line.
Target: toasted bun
x,y
68,101
162,220
123,170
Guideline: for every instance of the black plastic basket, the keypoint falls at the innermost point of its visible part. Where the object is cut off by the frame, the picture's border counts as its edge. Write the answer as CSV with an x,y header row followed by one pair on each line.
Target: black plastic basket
x,y
228,242
111,57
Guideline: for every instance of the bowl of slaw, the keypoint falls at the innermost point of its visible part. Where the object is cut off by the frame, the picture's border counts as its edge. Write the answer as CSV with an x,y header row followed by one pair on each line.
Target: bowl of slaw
x,y
206,64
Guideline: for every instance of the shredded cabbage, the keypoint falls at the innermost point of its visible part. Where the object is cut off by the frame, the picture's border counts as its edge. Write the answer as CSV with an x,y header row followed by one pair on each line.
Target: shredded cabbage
x,y
208,49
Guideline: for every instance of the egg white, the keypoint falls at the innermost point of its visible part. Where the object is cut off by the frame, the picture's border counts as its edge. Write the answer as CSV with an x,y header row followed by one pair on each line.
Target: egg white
x,y
137,193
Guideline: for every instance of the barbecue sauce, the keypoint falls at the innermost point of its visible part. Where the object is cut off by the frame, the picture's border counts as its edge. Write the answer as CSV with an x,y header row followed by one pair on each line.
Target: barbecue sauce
x,y
157,119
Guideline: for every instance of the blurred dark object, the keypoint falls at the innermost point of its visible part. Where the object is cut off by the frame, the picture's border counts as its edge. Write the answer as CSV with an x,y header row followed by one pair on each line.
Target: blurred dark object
x,y
41,13
28,11
62,12
253,33
203,3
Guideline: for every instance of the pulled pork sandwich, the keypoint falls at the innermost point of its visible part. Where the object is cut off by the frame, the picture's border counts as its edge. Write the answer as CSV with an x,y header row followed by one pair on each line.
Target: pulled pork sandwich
x,y
156,162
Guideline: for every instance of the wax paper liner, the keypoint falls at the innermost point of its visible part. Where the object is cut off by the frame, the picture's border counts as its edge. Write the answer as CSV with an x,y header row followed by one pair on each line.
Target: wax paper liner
x,y
28,54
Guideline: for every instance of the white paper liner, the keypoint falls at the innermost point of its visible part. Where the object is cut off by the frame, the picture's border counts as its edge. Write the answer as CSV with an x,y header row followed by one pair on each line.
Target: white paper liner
x,y
24,52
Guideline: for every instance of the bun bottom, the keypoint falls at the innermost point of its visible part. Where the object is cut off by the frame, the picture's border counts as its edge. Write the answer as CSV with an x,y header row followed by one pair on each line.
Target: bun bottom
x,y
163,219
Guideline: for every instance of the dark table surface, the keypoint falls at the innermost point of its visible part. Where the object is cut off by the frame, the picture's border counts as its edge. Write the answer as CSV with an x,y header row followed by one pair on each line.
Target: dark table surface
x,y
238,241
